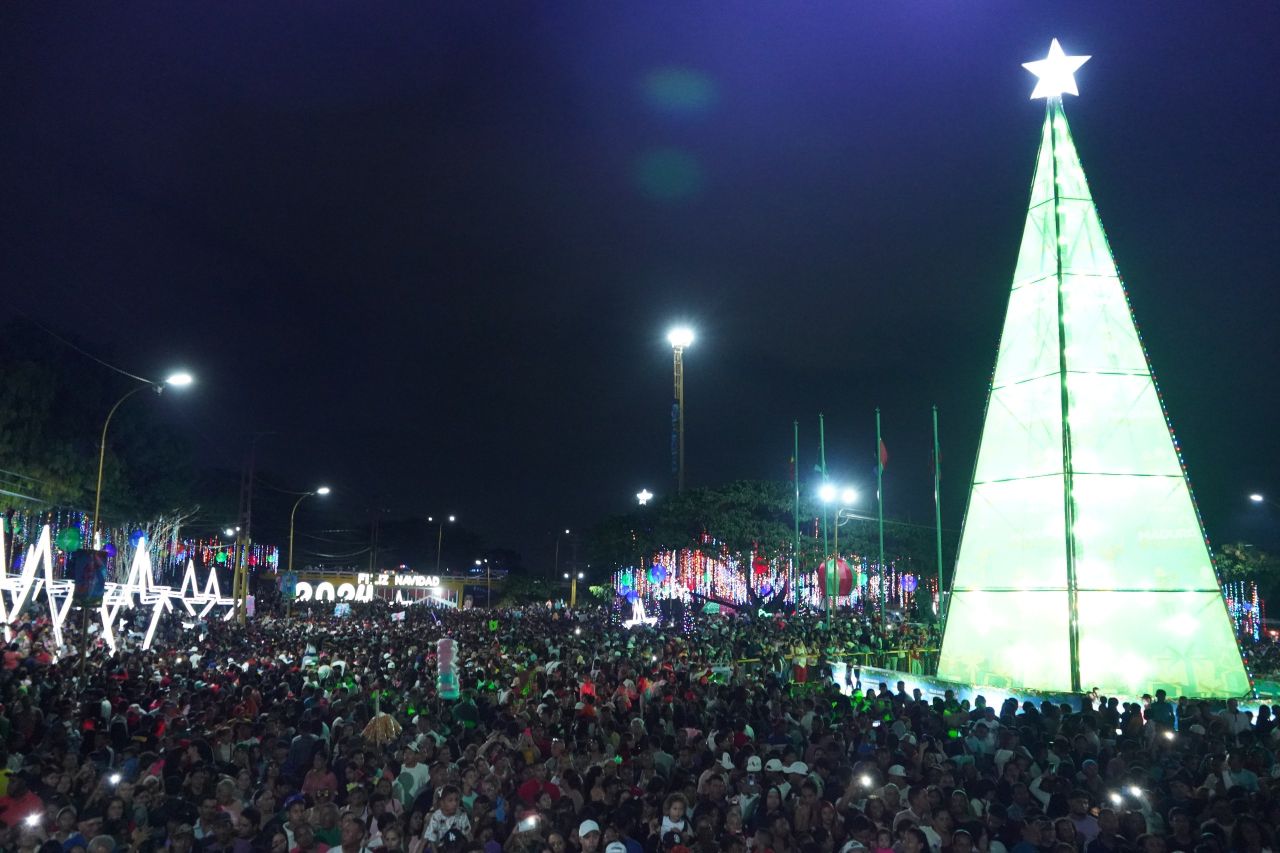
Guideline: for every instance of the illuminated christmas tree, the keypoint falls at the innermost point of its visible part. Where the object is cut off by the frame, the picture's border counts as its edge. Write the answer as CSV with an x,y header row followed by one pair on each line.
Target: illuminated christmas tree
x,y
1082,561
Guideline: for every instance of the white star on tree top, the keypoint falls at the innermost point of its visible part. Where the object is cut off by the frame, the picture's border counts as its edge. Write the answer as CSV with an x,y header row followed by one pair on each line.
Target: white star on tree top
x,y
1056,72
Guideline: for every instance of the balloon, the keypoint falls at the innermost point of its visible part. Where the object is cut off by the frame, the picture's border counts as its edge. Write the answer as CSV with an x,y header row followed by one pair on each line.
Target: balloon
x,y
760,565
253,560
766,589
657,574
631,596
136,537
909,583
110,549
221,558
69,538
844,577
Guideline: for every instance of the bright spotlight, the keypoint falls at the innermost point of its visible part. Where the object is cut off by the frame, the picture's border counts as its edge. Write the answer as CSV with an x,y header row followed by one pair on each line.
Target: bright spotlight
x,y
827,492
680,337
849,496
323,490
180,380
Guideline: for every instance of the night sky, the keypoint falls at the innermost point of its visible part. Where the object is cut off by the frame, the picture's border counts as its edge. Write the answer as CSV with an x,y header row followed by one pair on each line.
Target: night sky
x,y
436,247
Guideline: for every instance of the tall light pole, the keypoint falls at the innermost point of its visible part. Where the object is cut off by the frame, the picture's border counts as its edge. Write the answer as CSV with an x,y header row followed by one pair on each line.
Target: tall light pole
x,y
846,498
679,338
323,490
440,537
573,578
556,565
176,380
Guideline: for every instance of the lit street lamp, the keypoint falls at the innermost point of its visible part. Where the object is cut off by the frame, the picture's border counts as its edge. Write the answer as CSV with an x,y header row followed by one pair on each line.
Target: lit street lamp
x,y
176,380
488,581
440,536
323,490
1262,499
847,497
573,587
679,338
555,567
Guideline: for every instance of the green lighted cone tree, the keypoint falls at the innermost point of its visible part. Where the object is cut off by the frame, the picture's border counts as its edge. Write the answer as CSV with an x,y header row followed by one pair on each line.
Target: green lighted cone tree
x,y
1082,561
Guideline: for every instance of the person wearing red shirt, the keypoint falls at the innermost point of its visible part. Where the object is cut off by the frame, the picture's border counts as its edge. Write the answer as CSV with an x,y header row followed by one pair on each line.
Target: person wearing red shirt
x,y
20,802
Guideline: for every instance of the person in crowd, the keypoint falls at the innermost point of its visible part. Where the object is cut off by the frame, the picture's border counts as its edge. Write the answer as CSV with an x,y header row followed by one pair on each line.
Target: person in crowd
x,y
574,733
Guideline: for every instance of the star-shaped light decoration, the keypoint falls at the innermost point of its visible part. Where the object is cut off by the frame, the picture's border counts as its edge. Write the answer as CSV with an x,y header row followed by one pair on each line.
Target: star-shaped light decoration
x,y
1056,72
644,496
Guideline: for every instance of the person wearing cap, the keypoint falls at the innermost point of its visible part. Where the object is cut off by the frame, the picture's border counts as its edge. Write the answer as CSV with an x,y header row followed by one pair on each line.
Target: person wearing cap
x,y
414,776
588,836
295,810
775,777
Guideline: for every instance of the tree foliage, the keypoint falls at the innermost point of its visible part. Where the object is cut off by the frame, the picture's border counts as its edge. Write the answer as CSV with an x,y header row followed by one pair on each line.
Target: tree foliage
x,y
1241,561
746,517
53,402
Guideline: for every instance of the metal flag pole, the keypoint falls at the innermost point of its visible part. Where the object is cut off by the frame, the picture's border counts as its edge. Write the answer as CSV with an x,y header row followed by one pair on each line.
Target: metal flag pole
x,y
822,463
880,507
937,492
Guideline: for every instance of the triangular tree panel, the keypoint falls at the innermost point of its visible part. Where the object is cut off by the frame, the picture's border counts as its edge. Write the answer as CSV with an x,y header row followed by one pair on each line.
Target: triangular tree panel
x,y
1082,562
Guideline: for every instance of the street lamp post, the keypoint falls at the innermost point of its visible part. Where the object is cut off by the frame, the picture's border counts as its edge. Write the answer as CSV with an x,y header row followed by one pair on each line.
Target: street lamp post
x,y
679,338
440,537
555,567
243,585
323,490
573,579
177,380
829,494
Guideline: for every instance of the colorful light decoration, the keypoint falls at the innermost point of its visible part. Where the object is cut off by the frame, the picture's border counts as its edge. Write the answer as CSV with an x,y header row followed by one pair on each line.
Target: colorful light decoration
x,y
1247,609
169,554
1120,591
689,572
37,575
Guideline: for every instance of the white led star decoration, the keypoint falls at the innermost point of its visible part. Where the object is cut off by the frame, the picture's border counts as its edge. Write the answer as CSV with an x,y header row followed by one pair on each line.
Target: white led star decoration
x,y
1056,73
138,590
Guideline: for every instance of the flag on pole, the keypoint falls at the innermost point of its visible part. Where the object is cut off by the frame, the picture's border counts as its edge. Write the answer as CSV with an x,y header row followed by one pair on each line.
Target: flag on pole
x,y
884,455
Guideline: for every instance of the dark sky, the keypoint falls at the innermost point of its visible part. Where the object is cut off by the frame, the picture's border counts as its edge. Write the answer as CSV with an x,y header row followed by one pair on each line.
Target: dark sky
x,y
436,246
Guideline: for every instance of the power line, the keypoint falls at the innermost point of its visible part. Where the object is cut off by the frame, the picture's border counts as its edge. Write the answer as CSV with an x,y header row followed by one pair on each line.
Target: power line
x,y
42,327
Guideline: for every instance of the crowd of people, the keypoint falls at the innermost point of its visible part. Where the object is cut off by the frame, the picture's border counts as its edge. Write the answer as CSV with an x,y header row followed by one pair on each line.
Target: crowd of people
x,y
573,733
